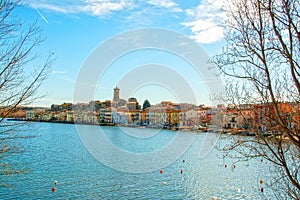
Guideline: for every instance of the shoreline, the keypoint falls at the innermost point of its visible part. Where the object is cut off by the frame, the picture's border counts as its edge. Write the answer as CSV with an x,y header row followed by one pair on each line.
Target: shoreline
x,y
110,124
62,122
221,131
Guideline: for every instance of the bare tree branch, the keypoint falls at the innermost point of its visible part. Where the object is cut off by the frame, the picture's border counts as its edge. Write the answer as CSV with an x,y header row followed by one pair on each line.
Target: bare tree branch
x,y
261,60
19,78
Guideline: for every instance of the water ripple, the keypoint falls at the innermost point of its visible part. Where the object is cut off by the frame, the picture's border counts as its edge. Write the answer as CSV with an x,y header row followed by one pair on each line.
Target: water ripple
x,y
58,154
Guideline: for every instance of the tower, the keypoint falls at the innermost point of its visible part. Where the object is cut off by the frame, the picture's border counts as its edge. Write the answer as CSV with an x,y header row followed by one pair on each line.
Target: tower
x,y
116,94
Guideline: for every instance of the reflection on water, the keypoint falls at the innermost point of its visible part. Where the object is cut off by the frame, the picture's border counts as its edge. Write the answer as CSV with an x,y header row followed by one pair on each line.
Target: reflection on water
x,y
57,153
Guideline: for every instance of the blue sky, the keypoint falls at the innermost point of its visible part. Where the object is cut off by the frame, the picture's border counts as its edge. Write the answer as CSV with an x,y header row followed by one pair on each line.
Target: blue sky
x,y
74,28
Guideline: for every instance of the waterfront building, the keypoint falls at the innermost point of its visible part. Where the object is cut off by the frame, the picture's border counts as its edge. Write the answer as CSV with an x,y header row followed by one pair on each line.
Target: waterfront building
x,y
70,116
210,112
150,117
62,116
46,116
30,115
160,116
189,118
105,116
202,113
238,116
295,117
59,116
173,117
246,116
230,120
133,117
266,119
79,117
260,117
91,118
143,117
119,116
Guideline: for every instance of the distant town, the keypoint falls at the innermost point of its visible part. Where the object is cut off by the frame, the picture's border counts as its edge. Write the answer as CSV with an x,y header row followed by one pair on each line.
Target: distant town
x,y
236,119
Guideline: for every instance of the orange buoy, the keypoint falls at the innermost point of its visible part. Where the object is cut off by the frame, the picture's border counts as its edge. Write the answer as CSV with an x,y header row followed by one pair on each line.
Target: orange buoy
x,y
161,171
53,189
261,181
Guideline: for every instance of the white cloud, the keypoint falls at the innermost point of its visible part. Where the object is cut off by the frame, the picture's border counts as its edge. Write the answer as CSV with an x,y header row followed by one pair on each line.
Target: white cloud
x,y
204,21
64,7
169,4
49,7
103,7
92,7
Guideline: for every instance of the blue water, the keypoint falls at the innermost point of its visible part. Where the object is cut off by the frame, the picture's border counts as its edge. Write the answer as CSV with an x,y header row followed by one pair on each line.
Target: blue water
x,y
57,153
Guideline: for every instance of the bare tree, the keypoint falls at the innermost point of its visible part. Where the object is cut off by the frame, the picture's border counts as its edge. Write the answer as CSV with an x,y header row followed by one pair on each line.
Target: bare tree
x,y
19,79
261,61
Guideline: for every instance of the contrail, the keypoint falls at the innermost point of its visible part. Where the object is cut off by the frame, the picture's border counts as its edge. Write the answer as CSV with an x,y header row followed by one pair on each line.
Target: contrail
x,y
42,16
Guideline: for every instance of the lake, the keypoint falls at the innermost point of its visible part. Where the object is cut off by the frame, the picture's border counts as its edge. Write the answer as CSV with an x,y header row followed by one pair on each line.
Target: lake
x,y
84,170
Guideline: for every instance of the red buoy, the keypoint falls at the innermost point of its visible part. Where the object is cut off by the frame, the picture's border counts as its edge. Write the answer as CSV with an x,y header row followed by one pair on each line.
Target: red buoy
x,y
53,189
161,171
181,171
260,181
